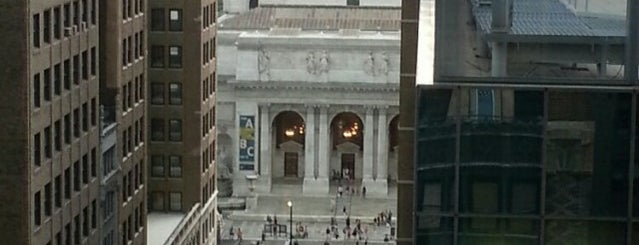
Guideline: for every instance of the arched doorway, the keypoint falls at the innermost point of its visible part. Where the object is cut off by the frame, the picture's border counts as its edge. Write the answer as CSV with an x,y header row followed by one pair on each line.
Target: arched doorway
x,y
393,143
289,132
346,144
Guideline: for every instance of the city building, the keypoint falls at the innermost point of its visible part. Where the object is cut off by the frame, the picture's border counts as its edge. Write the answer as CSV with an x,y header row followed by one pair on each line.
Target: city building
x,y
525,132
181,120
307,94
109,189
122,86
50,135
239,6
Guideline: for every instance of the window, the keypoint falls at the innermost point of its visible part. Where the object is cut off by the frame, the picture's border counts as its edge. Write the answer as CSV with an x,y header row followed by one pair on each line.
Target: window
x,y
352,2
175,93
36,90
157,201
67,129
76,69
175,20
48,149
136,52
57,83
67,183
57,27
141,87
85,11
85,169
94,8
36,30
58,192
124,52
47,199
175,56
67,19
85,65
37,155
157,93
57,135
175,166
157,20
76,225
94,214
94,60
85,117
124,12
175,130
175,201
76,123
157,56
47,26
76,176
157,129
141,132
76,13
141,45
125,100
67,234
67,74
94,112
37,212
108,158
85,221
47,84
129,50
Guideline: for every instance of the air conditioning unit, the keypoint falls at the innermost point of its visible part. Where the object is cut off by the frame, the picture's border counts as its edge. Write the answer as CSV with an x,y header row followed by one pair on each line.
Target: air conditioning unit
x,y
83,26
68,31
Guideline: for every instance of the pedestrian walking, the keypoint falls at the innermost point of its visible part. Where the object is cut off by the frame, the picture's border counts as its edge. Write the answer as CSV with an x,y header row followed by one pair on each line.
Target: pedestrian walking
x,y
348,221
239,234
339,191
344,210
364,192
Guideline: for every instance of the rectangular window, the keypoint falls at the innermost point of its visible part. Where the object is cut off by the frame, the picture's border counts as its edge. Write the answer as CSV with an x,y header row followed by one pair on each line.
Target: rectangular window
x,y
67,129
85,117
157,19
141,132
157,129
175,130
67,74
57,79
76,123
85,11
136,140
124,52
76,69
58,192
85,222
94,214
76,176
94,112
36,30
94,60
157,93
37,206
175,56
129,50
124,12
76,13
48,149
36,90
76,233
129,93
37,148
175,201
85,169
175,166
57,26
85,65
47,84
57,135
67,234
47,26
157,201
125,101
157,56
175,20
175,93
141,45
67,19
94,8
137,45
67,183
94,163
47,199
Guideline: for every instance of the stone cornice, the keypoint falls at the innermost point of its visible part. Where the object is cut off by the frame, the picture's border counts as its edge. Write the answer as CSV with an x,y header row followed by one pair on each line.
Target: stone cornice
x,y
299,86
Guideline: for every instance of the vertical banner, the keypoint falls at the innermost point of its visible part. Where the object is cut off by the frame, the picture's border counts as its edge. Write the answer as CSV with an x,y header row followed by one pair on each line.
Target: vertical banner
x,y
247,142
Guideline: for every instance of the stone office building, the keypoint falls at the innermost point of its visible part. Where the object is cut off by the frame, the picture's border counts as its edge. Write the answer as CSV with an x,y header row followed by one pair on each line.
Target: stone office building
x,y
306,94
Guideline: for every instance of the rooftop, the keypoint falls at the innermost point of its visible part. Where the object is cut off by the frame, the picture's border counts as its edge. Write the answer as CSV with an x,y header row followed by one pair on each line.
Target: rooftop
x,y
161,225
316,18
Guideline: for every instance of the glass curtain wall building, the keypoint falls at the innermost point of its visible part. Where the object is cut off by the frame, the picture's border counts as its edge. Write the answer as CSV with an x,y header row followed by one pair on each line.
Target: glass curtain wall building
x,y
528,133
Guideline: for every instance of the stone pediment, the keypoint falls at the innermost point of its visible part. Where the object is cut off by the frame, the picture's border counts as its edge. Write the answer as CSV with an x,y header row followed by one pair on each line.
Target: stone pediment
x,y
348,147
291,146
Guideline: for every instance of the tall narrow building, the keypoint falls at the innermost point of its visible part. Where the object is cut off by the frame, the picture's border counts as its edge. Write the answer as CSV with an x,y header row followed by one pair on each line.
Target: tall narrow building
x,y
49,139
122,86
181,118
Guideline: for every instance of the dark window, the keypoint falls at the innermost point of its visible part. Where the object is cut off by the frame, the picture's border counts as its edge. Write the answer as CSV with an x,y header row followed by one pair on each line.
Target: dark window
x,y
67,183
157,20
85,169
253,4
36,30
37,209
85,117
57,26
125,53
76,123
94,214
37,149
57,79
157,129
157,166
47,199
157,93
76,176
175,56
141,45
175,166
67,129
175,93
85,221
57,135
85,65
58,192
157,56
175,130
94,112
67,74
47,84
175,20
85,11
94,61
36,90
48,148
67,19
352,2
76,13
175,201
47,26
76,233
76,69
94,8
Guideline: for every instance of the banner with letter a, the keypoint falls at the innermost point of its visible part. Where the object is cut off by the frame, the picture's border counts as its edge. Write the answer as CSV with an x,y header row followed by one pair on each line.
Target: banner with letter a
x,y
247,142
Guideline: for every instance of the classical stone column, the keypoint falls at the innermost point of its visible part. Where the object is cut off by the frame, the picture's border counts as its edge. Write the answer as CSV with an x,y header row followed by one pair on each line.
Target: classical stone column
x,y
324,147
314,184
264,181
381,186
309,147
369,131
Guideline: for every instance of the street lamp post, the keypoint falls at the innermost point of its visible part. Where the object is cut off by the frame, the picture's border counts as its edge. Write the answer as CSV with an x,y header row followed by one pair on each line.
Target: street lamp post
x,y
290,209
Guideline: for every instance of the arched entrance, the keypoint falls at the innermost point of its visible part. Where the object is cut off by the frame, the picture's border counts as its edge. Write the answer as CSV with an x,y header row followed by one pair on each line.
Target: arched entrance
x,y
346,144
289,132
393,143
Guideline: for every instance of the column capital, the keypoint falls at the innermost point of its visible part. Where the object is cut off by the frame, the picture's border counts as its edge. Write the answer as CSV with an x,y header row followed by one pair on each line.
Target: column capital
x,y
369,109
264,105
311,106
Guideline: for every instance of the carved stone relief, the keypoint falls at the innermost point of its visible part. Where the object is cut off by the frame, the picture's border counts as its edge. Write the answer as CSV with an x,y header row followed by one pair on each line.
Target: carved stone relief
x,y
377,65
264,65
318,65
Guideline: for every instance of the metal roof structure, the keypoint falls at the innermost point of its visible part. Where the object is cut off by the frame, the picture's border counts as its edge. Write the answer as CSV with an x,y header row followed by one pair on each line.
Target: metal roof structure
x,y
316,18
550,20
